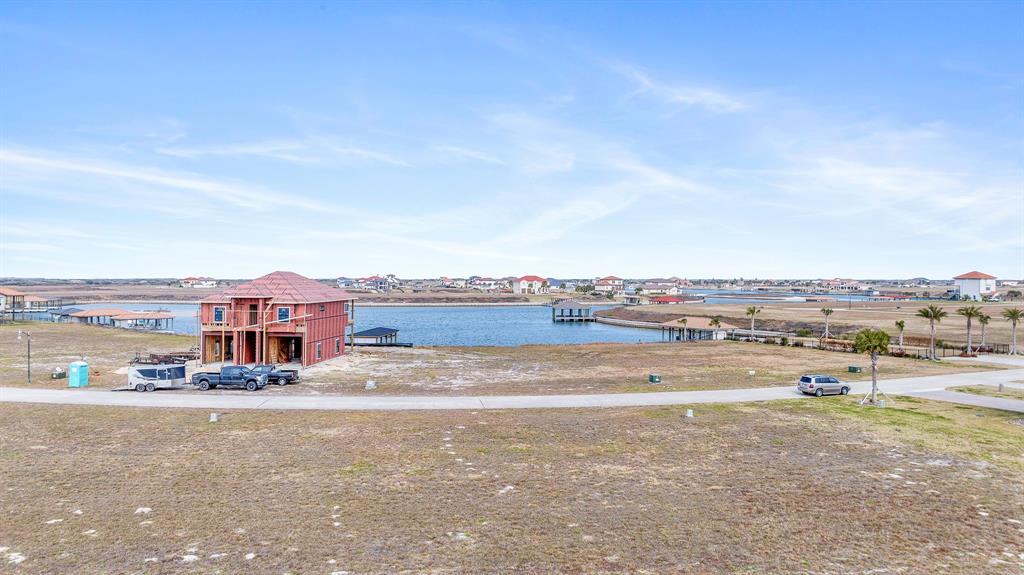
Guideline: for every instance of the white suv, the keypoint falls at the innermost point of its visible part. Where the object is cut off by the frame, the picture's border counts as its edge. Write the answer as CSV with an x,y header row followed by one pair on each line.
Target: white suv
x,y
819,385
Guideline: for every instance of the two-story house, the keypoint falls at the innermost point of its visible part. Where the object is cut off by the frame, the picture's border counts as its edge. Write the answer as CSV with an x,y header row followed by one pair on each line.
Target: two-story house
x,y
281,317
609,284
530,285
975,285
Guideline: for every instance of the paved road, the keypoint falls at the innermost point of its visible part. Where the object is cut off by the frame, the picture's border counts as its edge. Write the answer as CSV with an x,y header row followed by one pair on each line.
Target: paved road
x,y
973,399
195,399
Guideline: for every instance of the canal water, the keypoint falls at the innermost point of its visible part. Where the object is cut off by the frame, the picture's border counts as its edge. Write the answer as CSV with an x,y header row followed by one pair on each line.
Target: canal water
x,y
469,325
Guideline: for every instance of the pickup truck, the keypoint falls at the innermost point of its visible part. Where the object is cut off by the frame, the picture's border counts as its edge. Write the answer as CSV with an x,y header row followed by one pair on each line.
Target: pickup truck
x,y
278,376
229,376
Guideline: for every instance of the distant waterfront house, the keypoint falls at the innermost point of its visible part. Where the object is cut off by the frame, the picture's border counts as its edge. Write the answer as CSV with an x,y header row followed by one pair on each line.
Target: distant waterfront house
x,y
374,282
633,300
375,336
842,285
197,282
609,284
484,284
975,285
528,285
11,299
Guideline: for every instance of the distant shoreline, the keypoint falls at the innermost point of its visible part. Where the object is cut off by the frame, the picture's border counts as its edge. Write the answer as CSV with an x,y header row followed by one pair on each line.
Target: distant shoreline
x,y
358,303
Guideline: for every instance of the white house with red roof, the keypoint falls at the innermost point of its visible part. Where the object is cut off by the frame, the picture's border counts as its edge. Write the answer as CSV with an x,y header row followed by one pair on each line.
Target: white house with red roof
x,y
484,284
609,284
197,282
530,285
975,285
281,317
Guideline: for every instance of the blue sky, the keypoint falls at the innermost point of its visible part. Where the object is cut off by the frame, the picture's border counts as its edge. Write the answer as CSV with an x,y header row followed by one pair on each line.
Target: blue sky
x,y
566,140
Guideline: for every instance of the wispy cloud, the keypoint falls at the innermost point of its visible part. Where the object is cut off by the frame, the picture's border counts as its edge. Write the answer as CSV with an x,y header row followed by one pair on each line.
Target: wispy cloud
x,y
312,151
461,153
707,98
364,154
289,151
178,184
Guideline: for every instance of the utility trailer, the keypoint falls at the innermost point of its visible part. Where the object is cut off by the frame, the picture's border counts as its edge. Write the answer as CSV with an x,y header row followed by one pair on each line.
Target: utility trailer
x,y
151,377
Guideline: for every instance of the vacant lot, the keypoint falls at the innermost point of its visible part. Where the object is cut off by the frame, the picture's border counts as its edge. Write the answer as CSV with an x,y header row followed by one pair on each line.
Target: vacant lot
x,y
479,370
57,345
592,368
878,315
794,487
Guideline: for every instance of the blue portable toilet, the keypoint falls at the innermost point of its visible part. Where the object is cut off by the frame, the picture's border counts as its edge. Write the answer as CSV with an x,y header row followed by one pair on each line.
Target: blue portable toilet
x,y
78,374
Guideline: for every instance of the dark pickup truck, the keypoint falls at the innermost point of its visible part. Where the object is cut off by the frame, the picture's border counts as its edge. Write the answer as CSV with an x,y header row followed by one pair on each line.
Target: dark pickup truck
x,y
278,376
230,376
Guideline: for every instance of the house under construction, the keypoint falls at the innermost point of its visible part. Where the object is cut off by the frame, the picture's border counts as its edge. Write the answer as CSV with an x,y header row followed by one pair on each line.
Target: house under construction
x,y
281,317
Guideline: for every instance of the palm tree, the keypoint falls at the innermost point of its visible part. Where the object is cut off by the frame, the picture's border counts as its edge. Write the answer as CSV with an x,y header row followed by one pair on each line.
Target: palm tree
x,y
826,311
901,325
933,314
715,322
1013,315
983,319
752,311
874,342
683,321
970,312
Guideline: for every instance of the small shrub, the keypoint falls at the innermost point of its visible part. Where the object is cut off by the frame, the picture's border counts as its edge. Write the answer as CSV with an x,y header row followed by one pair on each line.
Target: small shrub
x,y
804,332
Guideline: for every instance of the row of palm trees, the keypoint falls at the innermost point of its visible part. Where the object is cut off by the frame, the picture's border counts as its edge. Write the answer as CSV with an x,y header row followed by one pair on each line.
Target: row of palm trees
x,y
934,314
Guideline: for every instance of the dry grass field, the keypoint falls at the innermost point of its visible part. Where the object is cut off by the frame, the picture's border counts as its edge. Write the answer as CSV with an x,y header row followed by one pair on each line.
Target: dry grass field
x,y
593,368
57,345
878,315
819,486
543,369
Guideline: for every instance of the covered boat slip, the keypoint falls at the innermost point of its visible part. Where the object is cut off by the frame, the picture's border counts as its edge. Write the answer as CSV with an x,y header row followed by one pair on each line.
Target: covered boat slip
x,y
694,329
116,317
571,311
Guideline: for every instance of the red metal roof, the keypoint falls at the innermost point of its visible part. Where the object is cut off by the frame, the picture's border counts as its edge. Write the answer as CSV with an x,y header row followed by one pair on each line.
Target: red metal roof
x,y
667,298
532,279
975,275
283,287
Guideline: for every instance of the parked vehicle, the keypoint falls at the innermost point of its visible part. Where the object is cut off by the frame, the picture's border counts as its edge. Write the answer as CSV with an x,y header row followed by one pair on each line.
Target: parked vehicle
x,y
820,385
277,376
230,376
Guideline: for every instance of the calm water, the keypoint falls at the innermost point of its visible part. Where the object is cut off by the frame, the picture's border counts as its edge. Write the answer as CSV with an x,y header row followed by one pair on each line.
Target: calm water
x,y
469,325
472,325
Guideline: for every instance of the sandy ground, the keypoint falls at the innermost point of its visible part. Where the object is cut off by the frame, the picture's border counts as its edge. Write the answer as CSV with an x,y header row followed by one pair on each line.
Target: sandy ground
x,y
878,315
588,368
818,486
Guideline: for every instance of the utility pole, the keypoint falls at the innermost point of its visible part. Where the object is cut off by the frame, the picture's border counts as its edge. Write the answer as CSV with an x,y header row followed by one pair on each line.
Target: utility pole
x,y
28,337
